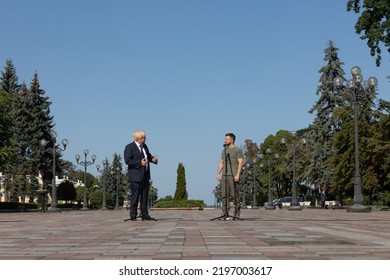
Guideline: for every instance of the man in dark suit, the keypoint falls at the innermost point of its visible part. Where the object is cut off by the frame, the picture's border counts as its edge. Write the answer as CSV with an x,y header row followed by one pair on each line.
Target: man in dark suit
x,y
138,158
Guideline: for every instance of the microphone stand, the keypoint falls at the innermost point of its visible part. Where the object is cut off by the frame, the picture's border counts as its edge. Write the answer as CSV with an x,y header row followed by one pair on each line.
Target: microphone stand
x,y
225,216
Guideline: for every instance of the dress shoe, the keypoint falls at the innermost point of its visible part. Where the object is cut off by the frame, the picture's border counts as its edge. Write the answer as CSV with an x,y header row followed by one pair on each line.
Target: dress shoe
x,y
148,218
133,218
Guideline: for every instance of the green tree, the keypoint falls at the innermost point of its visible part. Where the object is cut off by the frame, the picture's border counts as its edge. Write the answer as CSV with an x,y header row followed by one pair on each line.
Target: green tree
x,y
280,180
66,191
34,187
8,88
7,144
181,189
320,136
374,22
9,79
33,124
117,179
250,174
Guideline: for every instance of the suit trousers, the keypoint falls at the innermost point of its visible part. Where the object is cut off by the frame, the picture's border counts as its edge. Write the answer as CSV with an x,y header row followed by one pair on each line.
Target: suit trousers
x,y
139,193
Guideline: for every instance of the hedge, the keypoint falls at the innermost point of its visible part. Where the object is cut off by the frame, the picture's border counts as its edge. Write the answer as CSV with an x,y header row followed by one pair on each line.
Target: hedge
x,y
179,204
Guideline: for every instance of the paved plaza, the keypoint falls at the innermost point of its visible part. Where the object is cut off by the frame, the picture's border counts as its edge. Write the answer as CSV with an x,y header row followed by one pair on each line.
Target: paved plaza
x,y
310,234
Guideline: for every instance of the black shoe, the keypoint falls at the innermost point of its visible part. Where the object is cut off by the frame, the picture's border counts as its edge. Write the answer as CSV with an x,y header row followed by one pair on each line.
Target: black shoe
x,y
133,218
148,218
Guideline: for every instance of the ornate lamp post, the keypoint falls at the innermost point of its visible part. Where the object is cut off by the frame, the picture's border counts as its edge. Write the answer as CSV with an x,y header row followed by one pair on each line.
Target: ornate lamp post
x,y
54,150
103,172
118,170
85,163
254,202
243,187
354,87
270,205
294,201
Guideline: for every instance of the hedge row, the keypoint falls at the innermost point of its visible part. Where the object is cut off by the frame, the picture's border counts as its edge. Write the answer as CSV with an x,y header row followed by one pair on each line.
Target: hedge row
x,y
17,205
179,204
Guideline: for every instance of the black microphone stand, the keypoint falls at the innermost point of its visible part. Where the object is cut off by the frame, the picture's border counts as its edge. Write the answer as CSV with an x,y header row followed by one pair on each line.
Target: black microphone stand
x,y
225,216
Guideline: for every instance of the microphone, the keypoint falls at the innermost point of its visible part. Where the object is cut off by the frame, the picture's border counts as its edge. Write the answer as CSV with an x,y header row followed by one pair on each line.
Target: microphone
x,y
225,145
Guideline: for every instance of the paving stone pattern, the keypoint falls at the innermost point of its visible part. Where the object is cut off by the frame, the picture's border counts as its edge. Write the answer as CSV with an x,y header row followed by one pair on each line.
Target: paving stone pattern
x,y
310,234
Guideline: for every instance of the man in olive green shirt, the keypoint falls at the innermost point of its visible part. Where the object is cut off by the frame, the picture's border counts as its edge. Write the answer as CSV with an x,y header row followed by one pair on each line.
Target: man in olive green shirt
x,y
230,166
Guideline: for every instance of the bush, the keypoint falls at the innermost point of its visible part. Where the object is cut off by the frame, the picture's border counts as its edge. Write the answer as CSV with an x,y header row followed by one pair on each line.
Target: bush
x,y
17,205
179,204
384,199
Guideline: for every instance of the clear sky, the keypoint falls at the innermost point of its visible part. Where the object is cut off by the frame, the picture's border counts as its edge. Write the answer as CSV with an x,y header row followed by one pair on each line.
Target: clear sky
x,y
186,72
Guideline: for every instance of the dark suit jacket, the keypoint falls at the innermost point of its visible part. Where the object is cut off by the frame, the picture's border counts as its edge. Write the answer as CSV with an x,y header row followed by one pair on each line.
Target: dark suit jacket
x,y
132,154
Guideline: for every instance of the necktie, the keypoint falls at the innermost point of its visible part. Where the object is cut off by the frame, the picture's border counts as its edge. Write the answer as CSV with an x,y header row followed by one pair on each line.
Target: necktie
x,y
143,155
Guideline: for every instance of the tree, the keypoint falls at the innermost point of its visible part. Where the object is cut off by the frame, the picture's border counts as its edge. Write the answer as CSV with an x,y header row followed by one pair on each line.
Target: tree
x,y
33,124
118,179
374,21
66,191
9,79
34,187
7,144
279,176
181,191
324,124
8,88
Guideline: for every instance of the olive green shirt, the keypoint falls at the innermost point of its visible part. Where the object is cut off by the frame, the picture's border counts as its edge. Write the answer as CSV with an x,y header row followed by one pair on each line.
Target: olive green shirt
x,y
232,154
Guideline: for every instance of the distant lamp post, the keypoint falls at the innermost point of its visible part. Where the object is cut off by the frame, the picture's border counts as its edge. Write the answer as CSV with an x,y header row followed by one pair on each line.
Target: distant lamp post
x,y
255,172
243,178
354,87
118,170
85,163
103,172
270,205
54,201
294,201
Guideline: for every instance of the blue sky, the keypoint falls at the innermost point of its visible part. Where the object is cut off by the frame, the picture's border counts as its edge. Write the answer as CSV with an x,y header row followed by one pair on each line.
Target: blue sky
x,y
186,72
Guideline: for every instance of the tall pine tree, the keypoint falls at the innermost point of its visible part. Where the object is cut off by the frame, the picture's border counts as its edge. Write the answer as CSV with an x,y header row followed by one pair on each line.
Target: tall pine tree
x,y
8,88
324,125
9,79
33,124
181,189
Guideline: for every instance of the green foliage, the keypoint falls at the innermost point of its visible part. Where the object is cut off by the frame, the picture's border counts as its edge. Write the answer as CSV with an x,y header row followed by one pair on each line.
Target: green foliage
x,y
7,145
321,132
66,191
80,194
9,79
96,199
179,203
374,22
181,190
384,198
17,205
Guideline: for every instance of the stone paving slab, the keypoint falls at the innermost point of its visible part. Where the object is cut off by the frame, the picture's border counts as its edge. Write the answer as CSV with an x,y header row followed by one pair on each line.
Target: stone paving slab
x,y
310,234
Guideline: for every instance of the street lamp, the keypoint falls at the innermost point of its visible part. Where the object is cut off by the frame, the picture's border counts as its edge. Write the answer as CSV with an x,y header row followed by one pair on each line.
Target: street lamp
x,y
118,170
54,202
269,205
354,86
294,201
243,179
103,172
254,202
85,163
